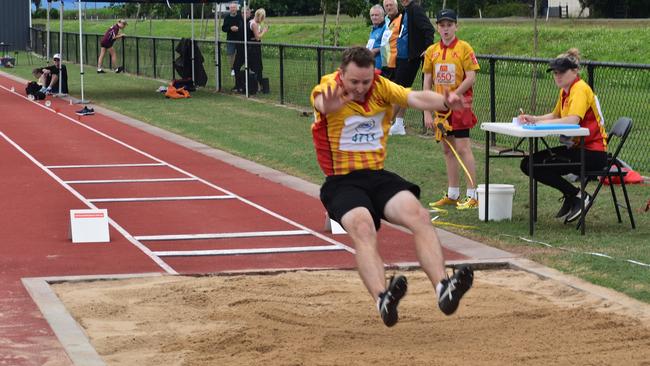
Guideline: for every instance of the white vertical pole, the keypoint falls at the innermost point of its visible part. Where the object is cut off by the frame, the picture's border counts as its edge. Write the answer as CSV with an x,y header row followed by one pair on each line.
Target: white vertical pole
x,y
192,11
217,62
29,4
245,47
60,48
47,50
61,31
81,55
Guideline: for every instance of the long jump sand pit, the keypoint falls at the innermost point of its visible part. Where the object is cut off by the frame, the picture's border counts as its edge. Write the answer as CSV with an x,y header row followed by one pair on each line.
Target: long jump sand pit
x,y
326,318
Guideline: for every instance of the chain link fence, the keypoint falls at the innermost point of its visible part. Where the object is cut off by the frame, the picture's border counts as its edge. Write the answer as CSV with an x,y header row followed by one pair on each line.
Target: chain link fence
x,y
504,84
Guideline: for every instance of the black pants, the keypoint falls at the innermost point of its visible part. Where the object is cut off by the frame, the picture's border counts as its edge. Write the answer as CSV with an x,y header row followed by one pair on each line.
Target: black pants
x,y
254,59
552,175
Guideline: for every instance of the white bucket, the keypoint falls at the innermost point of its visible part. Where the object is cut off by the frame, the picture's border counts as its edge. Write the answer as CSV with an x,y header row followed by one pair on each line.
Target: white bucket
x,y
501,196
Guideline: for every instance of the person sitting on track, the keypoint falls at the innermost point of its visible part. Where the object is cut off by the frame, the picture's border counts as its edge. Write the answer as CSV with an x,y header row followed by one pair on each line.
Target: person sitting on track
x,y
353,110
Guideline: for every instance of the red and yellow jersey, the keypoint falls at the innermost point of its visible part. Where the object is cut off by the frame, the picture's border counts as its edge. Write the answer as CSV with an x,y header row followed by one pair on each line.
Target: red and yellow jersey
x,y
582,102
388,48
447,66
354,137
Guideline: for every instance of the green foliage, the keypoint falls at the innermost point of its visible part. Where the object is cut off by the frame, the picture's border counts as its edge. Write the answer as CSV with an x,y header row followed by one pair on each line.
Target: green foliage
x,y
617,8
41,13
507,9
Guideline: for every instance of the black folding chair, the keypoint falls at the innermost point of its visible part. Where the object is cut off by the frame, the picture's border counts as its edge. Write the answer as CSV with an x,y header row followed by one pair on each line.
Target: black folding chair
x,y
621,129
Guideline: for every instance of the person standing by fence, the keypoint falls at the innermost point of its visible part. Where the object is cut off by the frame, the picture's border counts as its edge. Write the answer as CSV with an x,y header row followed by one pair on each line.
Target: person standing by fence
x,y
389,39
353,109
450,65
414,38
111,35
233,25
376,33
258,29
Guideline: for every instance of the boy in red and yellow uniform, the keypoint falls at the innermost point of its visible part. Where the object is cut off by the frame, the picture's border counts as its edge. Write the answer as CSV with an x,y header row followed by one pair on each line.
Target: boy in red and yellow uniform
x,y
450,65
353,110
576,105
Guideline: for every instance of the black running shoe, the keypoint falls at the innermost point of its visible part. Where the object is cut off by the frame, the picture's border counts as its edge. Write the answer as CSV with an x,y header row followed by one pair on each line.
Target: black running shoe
x,y
389,299
567,205
85,111
119,69
576,210
454,288
100,71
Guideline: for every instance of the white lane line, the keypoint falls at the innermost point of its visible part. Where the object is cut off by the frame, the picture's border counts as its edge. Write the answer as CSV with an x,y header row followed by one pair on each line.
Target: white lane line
x,y
102,166
257,206
147,180
196,253
119,228
250,234
178,198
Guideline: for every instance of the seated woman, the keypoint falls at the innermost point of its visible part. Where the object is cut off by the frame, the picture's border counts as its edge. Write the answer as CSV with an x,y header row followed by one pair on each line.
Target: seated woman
x,y
577,105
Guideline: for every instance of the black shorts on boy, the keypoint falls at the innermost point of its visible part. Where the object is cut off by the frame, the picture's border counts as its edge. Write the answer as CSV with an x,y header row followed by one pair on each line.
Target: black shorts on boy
x,y
371,189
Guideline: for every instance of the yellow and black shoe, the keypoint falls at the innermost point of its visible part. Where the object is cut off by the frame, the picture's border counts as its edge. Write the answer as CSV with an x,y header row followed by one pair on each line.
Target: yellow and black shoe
x,y
467,204
444,201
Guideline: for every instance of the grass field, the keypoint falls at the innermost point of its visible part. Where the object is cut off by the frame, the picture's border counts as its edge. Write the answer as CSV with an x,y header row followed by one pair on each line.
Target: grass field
x,y
599,40
280,137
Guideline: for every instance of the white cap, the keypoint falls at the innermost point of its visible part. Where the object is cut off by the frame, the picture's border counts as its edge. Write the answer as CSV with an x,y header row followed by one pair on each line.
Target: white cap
x,y
56,56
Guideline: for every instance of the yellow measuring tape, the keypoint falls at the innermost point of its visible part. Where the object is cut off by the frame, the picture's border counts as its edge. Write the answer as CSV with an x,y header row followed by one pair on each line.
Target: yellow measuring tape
x,y
435,221
441,124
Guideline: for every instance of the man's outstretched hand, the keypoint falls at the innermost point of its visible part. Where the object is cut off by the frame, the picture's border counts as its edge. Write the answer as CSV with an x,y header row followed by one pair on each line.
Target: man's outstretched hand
x,y
333,100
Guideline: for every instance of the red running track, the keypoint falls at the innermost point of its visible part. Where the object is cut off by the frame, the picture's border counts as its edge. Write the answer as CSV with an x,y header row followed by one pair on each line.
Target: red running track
x,y
35,222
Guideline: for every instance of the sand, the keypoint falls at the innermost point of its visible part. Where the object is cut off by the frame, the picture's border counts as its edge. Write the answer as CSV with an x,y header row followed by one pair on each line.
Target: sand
x,y
327,318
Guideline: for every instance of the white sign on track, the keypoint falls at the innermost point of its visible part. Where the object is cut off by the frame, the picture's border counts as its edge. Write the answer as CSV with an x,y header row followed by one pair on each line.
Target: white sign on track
x,y
89,226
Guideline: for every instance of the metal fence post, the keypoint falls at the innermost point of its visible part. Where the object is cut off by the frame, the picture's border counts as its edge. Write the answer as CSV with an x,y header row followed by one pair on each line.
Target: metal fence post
x,y
123,52
590,76
281,74
493,102
173,68
155,73
137,55
319,61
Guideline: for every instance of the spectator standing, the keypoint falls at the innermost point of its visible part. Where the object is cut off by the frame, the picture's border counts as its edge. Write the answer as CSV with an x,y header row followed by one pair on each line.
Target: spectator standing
x,y
240,57
415,37
111,35
233,25
450,66
389,39
376,33
257,29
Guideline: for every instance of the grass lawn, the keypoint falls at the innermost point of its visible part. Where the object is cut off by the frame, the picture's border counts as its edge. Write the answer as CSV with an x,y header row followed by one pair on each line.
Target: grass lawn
x,y
280,137
599,40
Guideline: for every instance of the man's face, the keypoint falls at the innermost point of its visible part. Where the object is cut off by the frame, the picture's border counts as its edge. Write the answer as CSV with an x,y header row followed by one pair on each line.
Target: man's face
x,y
57,61
233,9
357,80
376,16
405,3
390,7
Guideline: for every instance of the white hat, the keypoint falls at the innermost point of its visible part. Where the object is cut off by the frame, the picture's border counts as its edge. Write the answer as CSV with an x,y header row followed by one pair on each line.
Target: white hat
x,y
56,56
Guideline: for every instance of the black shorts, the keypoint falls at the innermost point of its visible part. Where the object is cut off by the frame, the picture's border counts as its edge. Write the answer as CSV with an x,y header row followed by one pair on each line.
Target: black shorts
x,y
107,44
371,189
406,71
459,133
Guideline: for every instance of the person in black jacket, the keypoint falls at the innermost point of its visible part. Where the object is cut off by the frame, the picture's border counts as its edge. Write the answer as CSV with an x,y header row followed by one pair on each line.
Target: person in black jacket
x,y
416,36
232,25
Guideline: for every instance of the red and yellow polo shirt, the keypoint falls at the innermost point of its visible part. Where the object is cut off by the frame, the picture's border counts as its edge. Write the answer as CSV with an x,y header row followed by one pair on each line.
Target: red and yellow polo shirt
x,y
354,137
582,102
447,65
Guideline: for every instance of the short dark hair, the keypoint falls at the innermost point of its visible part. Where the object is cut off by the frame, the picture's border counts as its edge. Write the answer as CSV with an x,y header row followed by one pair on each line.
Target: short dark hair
x,y
361,56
